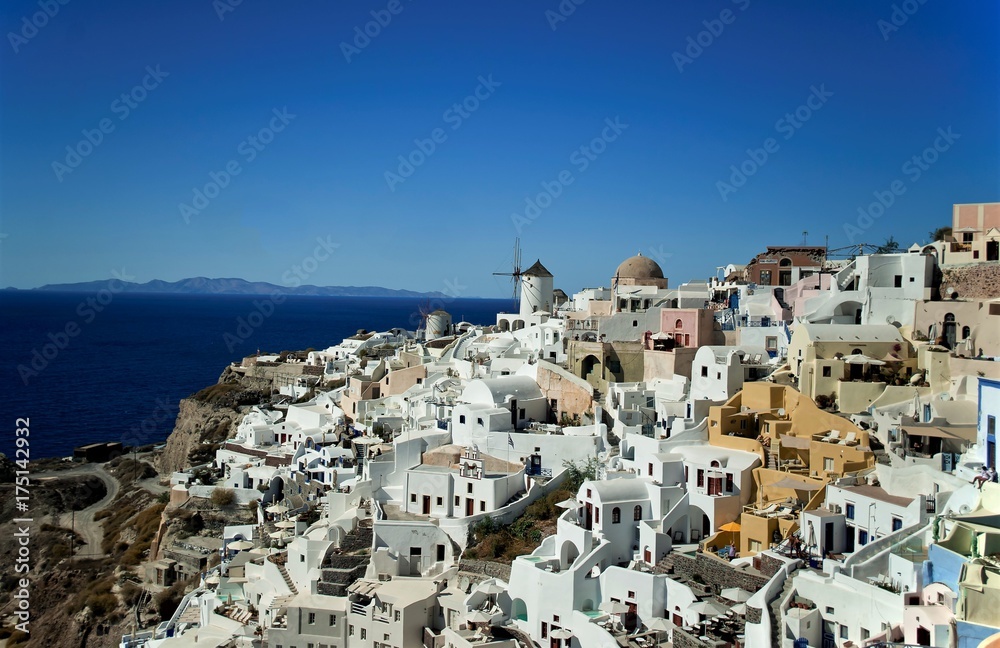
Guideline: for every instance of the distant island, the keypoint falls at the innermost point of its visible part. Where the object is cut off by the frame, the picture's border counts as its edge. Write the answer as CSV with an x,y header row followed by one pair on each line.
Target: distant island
x,y
206,286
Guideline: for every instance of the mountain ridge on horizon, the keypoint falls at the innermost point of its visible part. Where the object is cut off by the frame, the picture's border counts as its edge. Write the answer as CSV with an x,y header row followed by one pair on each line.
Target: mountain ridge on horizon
x,y
230,286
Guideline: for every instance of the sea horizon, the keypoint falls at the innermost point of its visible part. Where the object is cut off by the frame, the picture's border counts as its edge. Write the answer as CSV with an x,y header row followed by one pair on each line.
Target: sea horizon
x,y
123,373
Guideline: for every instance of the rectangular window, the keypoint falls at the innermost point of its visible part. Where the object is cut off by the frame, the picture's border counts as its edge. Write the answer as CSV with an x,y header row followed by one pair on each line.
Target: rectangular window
x,y
413,498
461,418
897,523
482,505
701,477
704,372
827,372
333,619
843,631
364,633
849,511
897,281
828,464
312,618
440,501
458,500
729,483
649,469
862,537
631,594
468,487
588,493
771,343
350,630
397,617
440,552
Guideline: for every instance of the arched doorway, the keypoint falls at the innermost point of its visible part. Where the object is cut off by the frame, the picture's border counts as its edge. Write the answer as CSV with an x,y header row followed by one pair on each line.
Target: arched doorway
x,y
948,330
591,369
519,610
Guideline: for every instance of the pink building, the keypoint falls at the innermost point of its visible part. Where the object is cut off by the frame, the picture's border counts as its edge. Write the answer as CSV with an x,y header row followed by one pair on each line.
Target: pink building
x,y
683,327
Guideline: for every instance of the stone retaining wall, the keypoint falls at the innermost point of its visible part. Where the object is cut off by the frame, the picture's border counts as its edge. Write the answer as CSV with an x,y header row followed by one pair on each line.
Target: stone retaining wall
x,y
486,569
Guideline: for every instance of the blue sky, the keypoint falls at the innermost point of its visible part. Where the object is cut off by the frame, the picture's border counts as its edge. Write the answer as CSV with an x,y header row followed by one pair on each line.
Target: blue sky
x,y
650,186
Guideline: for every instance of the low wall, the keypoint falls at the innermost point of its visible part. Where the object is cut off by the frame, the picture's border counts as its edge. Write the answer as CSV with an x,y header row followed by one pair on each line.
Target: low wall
x,y
243,495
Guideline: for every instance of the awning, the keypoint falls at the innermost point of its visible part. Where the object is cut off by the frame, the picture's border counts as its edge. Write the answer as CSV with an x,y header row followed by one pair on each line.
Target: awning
x,y
861,359
959,432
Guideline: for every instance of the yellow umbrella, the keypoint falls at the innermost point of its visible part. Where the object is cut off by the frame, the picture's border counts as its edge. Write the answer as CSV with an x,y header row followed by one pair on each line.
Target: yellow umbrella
x,y
732,527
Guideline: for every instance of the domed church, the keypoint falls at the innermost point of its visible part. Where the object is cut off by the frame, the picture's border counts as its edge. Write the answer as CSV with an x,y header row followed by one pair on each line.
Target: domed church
x,y
639,271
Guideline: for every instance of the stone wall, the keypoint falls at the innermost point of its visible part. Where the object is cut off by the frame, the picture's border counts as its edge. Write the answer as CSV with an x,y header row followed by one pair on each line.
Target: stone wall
x,y
769,565
486,569
716,573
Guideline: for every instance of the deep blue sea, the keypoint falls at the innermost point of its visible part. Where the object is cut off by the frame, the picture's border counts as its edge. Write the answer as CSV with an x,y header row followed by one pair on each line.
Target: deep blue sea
x,y
126,364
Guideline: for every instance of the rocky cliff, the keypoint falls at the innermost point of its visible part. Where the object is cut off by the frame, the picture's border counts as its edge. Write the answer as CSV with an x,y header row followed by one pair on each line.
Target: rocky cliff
x,y
208,418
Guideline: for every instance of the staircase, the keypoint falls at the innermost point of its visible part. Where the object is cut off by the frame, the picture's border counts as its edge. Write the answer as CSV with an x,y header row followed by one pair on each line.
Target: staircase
x,y
666,565
772,459
288,579
777,623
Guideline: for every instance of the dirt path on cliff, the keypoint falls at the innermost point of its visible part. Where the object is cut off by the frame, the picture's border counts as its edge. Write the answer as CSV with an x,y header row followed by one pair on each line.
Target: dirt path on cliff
x,y
83,521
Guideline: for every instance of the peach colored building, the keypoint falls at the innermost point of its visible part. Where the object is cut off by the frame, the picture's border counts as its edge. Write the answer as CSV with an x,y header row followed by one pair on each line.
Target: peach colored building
x,y
975,234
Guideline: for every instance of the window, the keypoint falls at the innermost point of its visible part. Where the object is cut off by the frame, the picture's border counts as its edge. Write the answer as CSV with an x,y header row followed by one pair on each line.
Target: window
x,y
771,343
704,372
597,515
862,537
461,419
635,322
458,500
616,515
545,629
440,501
631,594
679,324
701,477
413,498
765,277
588,493
755,546
729,483
849,511
482,505
637,512
828,464
649,469
843,631
333,619
468,487
364,634
555,618
479,422
398,615
440,552
829,610
312,618
897,523
897,281
827,372
350,630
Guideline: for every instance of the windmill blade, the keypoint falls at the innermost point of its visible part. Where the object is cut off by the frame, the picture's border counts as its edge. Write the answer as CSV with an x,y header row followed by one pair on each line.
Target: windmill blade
x,y
515,274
